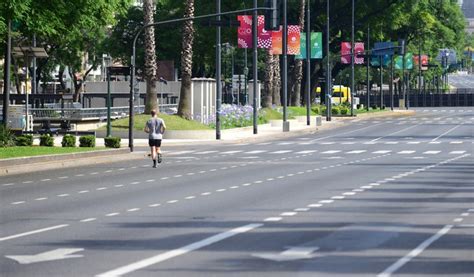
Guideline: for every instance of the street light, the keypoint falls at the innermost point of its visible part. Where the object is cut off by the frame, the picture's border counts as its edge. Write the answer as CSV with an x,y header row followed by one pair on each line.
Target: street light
x,y
352,59
328,68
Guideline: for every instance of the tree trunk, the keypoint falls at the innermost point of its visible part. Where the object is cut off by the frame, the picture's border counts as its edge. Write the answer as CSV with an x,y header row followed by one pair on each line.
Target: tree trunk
x,y
276,81
267,98
297,74
151,102
184,108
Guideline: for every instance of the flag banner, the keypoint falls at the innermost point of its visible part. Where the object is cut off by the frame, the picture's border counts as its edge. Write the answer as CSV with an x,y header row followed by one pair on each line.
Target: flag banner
x,y
264,37
375,60
424,61
408,62
316,46
277,42
383,48
294,40
346,52
244,38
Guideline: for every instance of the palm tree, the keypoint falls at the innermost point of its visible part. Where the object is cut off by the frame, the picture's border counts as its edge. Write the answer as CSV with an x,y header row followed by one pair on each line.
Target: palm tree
x,y
267,98
276,81
150,57
297,74
184,108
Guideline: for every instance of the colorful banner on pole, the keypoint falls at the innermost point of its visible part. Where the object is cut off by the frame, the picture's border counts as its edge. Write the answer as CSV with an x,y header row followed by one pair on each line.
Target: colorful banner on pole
x,y
424,61
245,38
316,46
408,62
375,60
294,41
346,53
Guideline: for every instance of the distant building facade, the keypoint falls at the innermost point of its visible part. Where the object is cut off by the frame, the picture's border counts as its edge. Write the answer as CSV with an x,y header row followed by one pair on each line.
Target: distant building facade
x,y
468,9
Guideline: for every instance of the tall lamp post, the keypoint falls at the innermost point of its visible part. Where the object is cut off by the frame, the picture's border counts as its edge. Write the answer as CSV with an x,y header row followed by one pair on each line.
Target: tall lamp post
x,y
308,63
328,67
352,59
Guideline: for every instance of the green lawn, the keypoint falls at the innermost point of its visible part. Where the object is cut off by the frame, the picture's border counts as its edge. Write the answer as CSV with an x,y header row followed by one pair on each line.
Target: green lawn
x,y
173,122
28,151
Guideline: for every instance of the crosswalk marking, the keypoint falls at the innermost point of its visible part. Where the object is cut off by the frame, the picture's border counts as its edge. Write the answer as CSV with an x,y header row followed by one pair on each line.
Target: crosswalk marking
x,y
432,152
356,151
457,152
255,152
331,152
286,143
391,142
281,152
406,152
456,142
182,152
205,152
382,152
435,142
232,152
414,142
307,152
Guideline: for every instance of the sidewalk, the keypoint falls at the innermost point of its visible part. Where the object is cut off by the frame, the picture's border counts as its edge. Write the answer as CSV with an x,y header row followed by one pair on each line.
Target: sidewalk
x,y
238,135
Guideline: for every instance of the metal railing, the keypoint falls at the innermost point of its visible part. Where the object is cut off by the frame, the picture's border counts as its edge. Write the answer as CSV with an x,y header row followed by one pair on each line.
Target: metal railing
x,y
84,114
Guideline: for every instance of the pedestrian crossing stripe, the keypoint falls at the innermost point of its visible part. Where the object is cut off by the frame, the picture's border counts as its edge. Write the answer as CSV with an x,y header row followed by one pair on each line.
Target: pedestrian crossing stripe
x,y
406,152
432,152
307,152
382,152
457,152
281,152
356,151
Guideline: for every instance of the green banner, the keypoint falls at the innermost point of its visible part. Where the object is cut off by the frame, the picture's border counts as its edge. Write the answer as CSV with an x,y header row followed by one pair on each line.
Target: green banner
x,y
316,46
408,62
375,61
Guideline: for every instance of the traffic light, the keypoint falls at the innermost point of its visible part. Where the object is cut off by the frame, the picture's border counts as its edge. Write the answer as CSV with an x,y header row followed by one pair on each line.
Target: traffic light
x,y
271,15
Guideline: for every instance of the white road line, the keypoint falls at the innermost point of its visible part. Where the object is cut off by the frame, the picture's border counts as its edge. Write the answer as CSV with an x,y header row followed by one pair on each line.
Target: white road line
x,y
456,142
356,151
447,132
88,219
18,203
406,152
338,197
272,219
415,252
7,185
231,152
34,232
172,201
331,152
83,191
382,152
206,193
288,214
178,252
154,205
307,152
315,205
326,201
112,214
281,152
133,210
432,152
41,198
205,152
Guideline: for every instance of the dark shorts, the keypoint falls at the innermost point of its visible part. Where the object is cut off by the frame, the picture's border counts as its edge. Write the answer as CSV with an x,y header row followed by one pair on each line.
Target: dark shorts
x,y
154,142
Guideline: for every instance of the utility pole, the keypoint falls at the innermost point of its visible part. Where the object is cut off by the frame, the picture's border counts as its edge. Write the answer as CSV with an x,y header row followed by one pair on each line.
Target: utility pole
x,y
218,73
352,59
308,63
6,77
328,68
286,124
368,68
254,65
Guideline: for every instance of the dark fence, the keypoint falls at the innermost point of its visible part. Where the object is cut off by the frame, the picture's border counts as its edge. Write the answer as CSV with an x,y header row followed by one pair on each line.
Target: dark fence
x,y
427,98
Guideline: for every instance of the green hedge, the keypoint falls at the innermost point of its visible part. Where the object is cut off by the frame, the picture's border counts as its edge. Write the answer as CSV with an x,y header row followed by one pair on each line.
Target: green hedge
x,y
24,140
87,141
335,110
46,140
6,137
344,110
112,142
68,141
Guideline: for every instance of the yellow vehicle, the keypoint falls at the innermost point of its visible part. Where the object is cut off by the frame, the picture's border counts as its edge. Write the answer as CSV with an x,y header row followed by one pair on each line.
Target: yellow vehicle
x,y
340,94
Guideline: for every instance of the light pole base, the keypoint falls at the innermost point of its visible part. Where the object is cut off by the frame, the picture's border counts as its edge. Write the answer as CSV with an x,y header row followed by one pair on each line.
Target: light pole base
x,y
286,126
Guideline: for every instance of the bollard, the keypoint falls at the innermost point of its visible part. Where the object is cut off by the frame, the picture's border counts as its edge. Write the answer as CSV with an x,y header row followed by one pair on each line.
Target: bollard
x,y
319,121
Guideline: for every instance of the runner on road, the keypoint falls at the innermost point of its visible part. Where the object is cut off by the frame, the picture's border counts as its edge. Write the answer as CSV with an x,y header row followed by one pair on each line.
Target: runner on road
x,y
155,127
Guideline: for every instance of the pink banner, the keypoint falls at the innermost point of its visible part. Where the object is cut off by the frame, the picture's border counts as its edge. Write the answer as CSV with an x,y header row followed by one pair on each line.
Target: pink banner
x,y
277,42
424,61
245,38
346,53
294,40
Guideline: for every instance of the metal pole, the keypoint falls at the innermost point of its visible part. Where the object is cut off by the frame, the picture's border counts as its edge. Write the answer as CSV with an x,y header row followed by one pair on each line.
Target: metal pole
x,y
246,73
33,81
6,76
109,101
352,59
419,69
328,67
368,68
132,97
391,82
218,73
254,65
284,75
26,91
308,63
232,78
381,81
403,81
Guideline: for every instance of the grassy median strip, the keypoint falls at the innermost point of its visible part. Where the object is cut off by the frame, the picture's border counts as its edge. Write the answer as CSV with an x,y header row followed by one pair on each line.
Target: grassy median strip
x,y
173,122
29,151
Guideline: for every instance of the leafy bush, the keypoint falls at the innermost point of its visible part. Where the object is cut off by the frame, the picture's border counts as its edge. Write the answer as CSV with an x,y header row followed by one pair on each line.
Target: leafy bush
x,y
374,107
87,141
6,137
112,142
344,110
68,141
335,110
24,140
46,140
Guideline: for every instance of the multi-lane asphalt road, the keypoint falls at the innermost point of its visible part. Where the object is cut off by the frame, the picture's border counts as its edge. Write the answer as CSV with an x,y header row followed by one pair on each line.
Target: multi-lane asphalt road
x,y
378,197
461,81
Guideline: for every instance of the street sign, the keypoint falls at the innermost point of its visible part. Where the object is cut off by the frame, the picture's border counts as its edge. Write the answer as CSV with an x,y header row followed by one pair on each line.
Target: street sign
x,y
119,70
